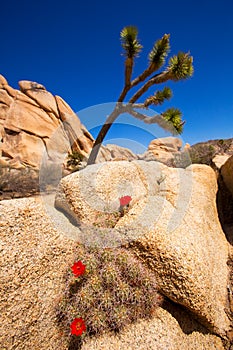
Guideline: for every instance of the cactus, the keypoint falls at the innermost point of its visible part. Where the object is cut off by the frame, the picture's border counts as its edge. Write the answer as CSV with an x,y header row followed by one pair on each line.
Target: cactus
x,y
115,290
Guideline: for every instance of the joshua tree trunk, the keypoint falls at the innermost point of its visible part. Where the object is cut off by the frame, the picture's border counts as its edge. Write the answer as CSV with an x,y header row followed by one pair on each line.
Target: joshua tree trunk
x,y
98,142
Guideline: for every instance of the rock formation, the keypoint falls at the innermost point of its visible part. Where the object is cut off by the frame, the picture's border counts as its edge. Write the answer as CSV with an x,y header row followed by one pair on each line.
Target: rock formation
x,y
172,225
34,123
227,173
219,160
114,153
225,201
35,255
164,148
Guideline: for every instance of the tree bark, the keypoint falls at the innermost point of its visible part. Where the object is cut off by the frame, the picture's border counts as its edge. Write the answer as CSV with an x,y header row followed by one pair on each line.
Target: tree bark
x,y
156,79
107,125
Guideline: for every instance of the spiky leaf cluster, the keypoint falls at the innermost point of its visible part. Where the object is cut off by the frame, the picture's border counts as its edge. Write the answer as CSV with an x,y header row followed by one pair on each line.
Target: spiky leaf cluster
x,y
159,97
116,290
130,42
181,66
174,115
160,51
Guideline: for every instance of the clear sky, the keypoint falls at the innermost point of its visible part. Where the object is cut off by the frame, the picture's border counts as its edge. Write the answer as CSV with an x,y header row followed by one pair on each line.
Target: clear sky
x,y
73,49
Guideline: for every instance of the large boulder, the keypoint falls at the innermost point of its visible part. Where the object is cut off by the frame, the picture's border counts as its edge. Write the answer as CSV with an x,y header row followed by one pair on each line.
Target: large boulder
x,y
38,93
114,153
227,173
167,143
225,202
165,148
219,160
172,224
160,333
31,251
36,124
34,258
3,81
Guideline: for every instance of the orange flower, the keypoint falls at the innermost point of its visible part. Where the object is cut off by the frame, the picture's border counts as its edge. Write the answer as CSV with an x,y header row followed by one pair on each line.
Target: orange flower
x,y
78,268
78,326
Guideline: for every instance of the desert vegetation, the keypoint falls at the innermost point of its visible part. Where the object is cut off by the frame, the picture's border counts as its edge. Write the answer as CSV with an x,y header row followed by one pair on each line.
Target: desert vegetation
x,y
179,67
107,289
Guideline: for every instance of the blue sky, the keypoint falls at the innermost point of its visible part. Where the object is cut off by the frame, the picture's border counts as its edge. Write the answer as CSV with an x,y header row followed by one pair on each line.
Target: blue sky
x,y
73,49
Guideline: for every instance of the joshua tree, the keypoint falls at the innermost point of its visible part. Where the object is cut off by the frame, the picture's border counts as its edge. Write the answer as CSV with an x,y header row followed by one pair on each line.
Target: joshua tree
x,y
179,67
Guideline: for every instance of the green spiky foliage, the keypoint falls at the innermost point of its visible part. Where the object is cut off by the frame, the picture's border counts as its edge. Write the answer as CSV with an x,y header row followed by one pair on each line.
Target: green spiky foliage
x,y
131,47
160,51
159,97
181,66
116,290
156,59
130,42
173,115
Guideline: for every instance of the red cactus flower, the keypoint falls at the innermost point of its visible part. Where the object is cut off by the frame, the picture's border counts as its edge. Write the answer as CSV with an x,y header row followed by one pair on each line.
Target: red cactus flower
x,y
78,268
78,326
124,200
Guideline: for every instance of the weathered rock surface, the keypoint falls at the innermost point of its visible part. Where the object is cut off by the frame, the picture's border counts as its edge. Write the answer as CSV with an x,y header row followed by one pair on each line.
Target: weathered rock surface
x,y
219,160
184,257
3,81
34,257
31,251
227,174
164,148
225,203
34,123
38,93
166,143
160,333
116,153
173,224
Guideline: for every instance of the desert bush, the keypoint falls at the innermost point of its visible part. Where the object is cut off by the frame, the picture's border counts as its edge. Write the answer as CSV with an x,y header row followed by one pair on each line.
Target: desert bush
x,y
74,160
204,152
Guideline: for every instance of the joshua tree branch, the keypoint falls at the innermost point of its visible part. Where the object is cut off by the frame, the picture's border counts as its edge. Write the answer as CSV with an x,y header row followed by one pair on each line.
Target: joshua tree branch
x,y
128,73
156,119
124,93
156,79
147,72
